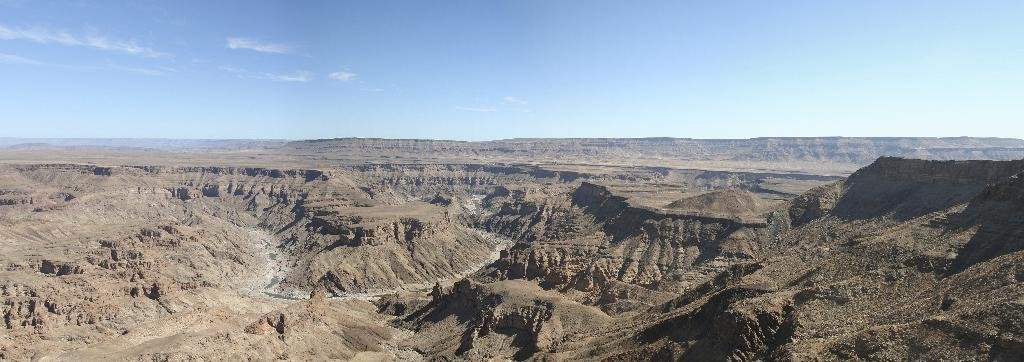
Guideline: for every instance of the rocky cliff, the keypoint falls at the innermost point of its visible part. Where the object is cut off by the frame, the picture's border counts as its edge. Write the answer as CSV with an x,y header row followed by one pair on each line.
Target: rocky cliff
x,y
928,270
901,188
610,252
910,278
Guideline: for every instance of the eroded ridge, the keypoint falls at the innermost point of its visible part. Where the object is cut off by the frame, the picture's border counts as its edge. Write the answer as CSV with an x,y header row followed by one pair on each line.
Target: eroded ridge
x,y
903,259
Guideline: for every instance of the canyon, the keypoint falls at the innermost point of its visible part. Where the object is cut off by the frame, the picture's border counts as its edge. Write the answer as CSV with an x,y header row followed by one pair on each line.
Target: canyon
x,y
523,249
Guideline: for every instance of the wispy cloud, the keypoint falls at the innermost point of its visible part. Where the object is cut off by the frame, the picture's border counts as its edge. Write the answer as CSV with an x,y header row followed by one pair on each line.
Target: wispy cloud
x,y
144,71
20,60
296,76
16,59
238,72
299,76
513,101
12,3
342,76
256,45
476,109
507,103
95,41
230,69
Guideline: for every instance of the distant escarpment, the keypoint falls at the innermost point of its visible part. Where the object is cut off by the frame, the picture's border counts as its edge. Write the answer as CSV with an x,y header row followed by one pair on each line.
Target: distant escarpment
x,y
838,150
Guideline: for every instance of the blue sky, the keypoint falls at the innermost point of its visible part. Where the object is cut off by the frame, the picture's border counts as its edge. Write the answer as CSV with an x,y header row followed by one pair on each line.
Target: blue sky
x,y
489,69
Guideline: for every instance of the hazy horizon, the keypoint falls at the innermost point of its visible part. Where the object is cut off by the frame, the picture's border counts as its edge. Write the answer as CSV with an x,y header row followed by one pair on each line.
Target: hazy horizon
x,y
485,140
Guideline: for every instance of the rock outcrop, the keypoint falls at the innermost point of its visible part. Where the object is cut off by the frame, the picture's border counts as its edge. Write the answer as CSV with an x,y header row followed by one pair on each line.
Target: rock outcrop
x,y
903,260
616,253
510,319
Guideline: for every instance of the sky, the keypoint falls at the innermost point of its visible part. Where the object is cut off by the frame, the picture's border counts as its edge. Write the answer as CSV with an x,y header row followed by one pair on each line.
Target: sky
x,y
494,69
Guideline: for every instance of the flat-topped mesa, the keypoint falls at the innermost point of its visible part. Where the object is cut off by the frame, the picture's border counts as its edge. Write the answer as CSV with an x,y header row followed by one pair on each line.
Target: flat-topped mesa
x,y
379,143
727,201
974,172
606,206
904,188
421,179
274,185
67,167
596,242
709,236
306,174
369,225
